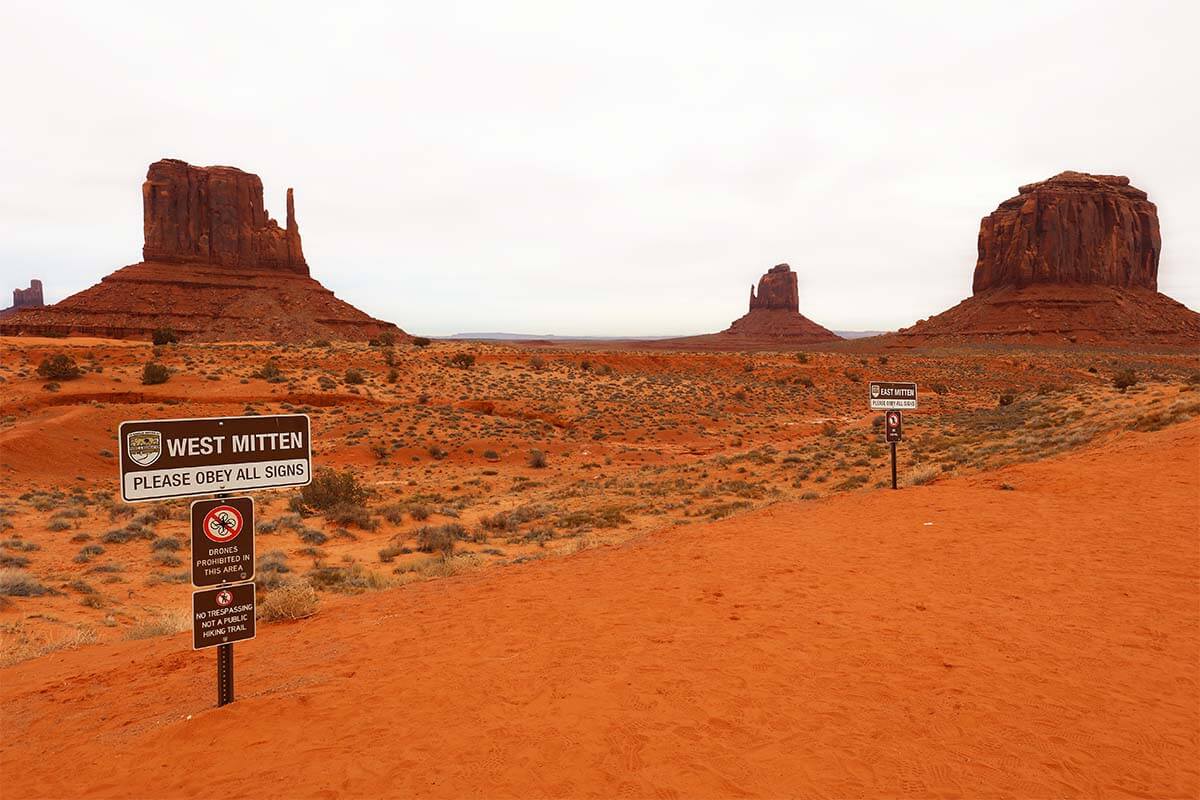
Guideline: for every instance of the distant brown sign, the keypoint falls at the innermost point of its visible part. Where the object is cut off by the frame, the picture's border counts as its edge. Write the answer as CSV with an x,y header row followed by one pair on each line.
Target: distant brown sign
x,y
222,541
223,615
163,458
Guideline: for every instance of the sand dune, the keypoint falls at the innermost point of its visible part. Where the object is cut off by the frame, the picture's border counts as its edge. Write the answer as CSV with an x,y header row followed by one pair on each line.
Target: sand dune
x,y
950,640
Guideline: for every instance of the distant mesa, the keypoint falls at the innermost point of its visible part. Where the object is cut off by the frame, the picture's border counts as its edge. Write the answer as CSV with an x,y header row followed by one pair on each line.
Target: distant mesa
x,y
1070,259
25,298
775,311
216,267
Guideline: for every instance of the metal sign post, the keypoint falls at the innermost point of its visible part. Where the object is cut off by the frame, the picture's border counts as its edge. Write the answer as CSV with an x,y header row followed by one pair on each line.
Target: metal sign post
x,y
163,459
890,397
893,423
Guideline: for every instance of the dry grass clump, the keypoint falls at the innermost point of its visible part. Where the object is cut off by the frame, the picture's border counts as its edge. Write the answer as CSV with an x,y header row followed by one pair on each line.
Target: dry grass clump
x,y
292,600
18,643
18,583
922,474
163,622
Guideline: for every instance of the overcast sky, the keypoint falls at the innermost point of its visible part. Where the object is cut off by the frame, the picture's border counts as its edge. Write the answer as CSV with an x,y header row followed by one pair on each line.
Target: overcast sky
x,y
597,168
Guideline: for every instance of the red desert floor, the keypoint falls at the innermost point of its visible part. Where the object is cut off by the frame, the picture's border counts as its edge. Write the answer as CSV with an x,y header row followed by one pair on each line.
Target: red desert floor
x,y
953,640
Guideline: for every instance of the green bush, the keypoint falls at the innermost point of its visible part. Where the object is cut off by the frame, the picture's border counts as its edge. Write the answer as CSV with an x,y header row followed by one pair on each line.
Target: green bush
x,y
154,373
59,367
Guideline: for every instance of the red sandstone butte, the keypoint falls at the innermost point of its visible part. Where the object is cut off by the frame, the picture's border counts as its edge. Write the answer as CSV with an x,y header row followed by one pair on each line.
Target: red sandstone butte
x,y
216,268
26,298
775,311
1070,259
215,215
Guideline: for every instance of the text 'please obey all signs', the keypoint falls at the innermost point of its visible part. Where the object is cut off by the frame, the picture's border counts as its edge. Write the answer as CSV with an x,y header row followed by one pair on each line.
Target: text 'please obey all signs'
x,y
165,458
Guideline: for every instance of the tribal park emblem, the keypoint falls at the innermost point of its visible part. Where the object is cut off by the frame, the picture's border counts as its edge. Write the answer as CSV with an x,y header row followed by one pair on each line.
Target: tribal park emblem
x,y
143,447
874,391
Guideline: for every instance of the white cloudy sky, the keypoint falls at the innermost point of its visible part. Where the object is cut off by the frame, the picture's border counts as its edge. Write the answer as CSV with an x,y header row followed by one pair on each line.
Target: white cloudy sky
x,y
597,168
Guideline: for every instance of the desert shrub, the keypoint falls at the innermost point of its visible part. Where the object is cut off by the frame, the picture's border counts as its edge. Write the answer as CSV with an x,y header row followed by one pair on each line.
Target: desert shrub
x,y
86,552
289,601
421,341
393,513
164,336
393,375
13,562
312,536
59,367
349,514
350,579
439,538
804,380
829,428
537,459
330,489
388,554
537,362
938,388
154,373
1005,399
609,517
491,455
270,372
16,583
1125,379
419,511
353,377
436,451
385,339
57,525
802,357
462,360
165,543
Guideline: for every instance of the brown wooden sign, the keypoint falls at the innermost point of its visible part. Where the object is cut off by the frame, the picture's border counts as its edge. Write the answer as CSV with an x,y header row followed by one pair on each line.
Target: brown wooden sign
x,y
223,615
163,458
222,541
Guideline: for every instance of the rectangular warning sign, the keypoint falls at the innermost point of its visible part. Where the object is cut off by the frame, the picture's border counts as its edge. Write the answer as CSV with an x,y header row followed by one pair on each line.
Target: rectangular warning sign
x,y
885,395
223,615
222,541
163,458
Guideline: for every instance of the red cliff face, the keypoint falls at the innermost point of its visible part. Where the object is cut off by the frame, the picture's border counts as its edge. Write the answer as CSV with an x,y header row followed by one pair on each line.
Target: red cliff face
x,y
1074,228
215,215
776,289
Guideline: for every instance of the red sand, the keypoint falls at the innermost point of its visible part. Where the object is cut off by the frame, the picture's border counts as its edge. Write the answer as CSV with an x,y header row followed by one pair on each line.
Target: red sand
x,y
953,640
